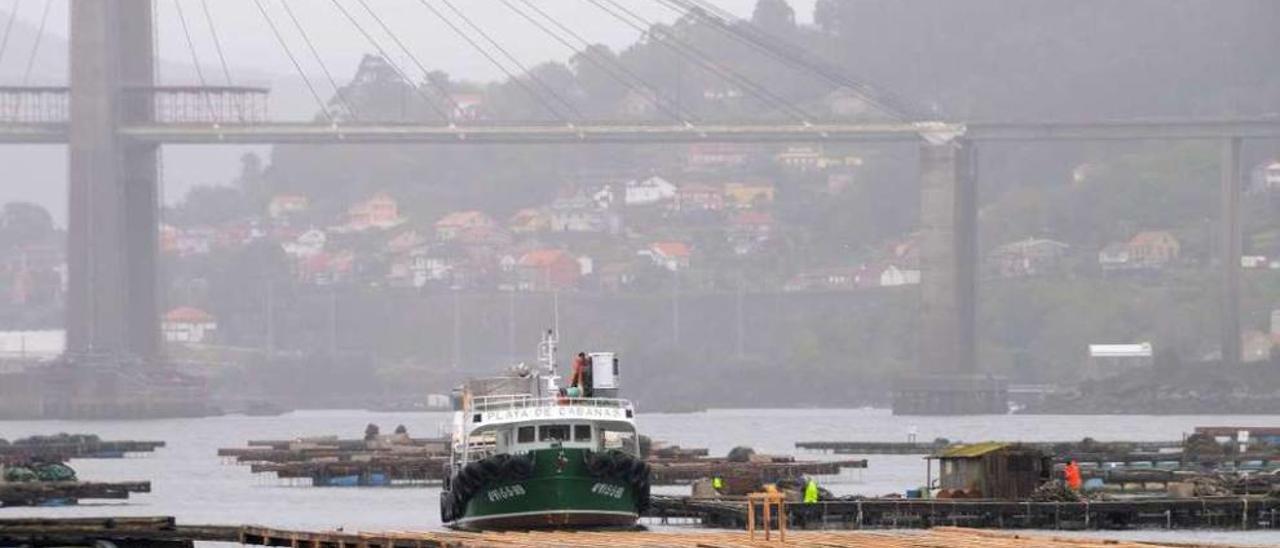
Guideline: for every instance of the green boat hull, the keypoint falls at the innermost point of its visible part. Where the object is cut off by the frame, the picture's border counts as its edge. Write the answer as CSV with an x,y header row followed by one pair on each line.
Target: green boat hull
x,y
561,492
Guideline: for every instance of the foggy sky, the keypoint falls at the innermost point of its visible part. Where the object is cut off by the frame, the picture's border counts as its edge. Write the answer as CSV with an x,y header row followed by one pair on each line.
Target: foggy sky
x,y
38,173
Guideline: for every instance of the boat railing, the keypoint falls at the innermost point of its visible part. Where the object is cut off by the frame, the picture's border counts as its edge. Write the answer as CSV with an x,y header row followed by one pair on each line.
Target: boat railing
x,y
521,401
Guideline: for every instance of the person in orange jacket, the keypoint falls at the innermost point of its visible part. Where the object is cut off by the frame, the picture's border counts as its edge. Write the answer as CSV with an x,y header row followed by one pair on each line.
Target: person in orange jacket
x,y
1072,473
579,377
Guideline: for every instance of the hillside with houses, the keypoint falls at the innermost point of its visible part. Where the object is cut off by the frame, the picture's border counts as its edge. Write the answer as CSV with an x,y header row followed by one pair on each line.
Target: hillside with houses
x,y
393,270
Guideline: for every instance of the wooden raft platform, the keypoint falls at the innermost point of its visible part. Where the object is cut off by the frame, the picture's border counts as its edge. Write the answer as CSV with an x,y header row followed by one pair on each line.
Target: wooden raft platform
x,y
683,472
62,452
930,447
35,493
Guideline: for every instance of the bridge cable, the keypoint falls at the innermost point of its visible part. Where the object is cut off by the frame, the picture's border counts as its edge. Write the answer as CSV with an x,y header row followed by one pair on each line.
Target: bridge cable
x,y
8,28
617,70
391,63
35,48
695,54
750,34
492,60
222,59
338,91
691,53
426,74
293,59
217,43
542,84
195,59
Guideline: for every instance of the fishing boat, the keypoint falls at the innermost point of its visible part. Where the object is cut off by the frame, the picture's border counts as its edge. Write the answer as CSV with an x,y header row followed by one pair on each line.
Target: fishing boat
x,y
529,454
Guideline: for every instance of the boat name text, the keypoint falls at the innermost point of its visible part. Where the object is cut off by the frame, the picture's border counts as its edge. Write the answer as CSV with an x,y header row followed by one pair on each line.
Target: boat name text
x,y
560,412
505,492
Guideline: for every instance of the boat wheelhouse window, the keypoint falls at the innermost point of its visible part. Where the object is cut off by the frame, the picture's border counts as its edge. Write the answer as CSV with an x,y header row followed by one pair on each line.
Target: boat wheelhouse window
x,y
582,432
525,434
553,432
624,440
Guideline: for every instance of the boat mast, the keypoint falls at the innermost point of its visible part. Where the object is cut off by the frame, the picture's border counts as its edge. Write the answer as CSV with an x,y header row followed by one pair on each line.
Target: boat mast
x,y
547,358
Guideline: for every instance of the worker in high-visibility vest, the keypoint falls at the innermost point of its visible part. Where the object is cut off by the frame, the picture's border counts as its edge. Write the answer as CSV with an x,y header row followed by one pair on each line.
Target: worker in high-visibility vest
x,y
717,483
811,492
1072,473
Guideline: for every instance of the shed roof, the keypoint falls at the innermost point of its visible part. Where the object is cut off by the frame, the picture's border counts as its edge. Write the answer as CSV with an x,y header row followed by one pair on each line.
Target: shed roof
x,y
972,450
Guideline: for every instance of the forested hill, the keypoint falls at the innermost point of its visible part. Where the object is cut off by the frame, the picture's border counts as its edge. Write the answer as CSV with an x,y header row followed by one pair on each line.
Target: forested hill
x,y
1076,59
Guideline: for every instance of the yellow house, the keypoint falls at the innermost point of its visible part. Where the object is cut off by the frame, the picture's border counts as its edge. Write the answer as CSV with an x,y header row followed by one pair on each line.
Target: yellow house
x,y
746,195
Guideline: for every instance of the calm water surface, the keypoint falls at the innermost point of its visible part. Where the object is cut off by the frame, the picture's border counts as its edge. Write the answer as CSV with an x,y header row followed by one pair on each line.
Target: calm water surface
x,y
190,482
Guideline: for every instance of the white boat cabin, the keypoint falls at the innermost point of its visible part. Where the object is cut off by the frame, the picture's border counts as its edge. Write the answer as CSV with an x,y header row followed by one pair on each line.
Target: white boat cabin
x,y
517,425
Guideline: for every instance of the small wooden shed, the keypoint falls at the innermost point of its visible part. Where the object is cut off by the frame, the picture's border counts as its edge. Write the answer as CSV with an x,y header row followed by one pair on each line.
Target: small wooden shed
x,y
990,470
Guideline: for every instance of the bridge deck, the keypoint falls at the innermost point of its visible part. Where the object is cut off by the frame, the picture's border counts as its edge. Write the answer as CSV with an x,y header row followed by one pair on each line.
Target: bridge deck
x,y
363,133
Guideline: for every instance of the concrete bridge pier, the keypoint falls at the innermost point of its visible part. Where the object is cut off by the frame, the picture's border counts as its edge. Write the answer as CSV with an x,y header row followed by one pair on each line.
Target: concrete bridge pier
x,y
1230,251
948,257
947,380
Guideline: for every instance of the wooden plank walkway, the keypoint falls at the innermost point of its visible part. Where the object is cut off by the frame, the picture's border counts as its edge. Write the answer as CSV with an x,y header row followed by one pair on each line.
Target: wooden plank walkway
x,y
942,537
164,532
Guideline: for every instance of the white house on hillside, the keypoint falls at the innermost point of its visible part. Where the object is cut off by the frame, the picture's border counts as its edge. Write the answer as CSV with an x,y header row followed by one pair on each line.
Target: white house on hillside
x,y
188,325
893,276
653,190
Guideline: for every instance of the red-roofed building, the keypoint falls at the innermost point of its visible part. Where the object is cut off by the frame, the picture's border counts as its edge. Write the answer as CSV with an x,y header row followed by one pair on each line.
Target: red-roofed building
x,y
748,229
529,221
324,268
673,256
283,205
187,324
1154,248
381,211
454,223
694,198
466,106
547,270
716,156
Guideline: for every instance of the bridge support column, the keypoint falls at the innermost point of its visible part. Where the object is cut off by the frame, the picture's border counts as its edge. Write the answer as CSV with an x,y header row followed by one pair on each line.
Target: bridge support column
x,y
112,230
948,258
1230,250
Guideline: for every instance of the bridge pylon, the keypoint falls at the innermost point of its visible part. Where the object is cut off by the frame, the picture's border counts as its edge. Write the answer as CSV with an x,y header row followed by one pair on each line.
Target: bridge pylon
x,y
113,211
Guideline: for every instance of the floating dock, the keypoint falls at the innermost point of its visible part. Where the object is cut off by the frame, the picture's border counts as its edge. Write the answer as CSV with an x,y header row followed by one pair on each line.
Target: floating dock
x,y
164,532
332,462
38,493
684,472
62,452
1240,513
931,447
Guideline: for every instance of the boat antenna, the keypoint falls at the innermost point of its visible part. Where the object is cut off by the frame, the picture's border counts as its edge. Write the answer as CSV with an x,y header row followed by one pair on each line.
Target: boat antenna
x,y
555,312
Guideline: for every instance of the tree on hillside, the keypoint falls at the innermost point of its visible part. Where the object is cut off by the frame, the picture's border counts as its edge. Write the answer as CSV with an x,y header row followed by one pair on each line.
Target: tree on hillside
x,y
211,205
25,223
775,16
